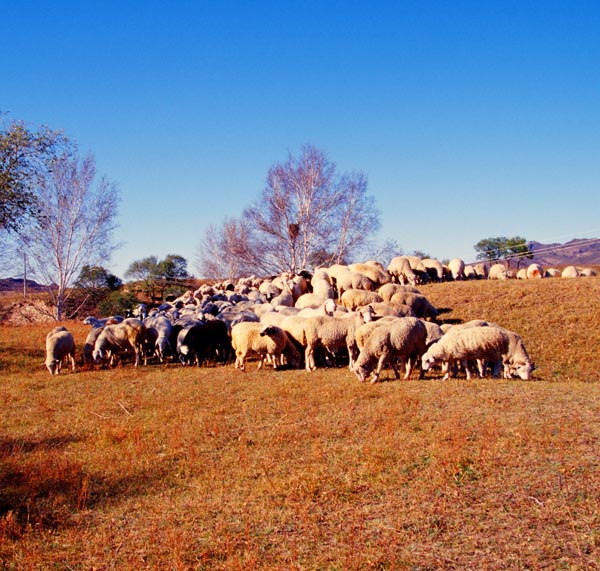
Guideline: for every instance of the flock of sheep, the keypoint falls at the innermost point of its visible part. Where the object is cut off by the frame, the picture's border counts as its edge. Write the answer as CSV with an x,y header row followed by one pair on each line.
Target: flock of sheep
x,y
364,314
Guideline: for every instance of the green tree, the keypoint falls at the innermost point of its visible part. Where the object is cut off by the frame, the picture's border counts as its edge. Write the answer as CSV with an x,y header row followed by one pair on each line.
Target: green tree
x,y
156,276
25,159
503,248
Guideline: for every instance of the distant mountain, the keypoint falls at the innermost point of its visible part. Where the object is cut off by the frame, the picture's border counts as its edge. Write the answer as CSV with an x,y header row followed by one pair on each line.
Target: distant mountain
x,y
578,252
16,284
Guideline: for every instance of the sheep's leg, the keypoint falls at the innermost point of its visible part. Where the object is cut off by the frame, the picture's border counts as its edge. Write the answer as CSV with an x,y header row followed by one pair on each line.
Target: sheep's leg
x,y
382,361
309,357
407,367
72,358
465,366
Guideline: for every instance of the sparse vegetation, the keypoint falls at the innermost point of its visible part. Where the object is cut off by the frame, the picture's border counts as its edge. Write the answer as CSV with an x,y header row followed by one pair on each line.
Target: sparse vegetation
x,y
167,467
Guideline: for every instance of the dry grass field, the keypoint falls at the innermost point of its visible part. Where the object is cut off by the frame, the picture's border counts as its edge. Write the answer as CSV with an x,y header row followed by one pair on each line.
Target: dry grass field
x,y
178,468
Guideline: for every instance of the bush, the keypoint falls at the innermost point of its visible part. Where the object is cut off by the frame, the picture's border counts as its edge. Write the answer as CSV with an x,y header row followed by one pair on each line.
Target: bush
x,y
117,303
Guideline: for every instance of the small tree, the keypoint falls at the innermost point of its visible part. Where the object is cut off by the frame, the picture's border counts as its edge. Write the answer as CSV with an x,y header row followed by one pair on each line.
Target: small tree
x,y
73,226
155,276
503,248
95,283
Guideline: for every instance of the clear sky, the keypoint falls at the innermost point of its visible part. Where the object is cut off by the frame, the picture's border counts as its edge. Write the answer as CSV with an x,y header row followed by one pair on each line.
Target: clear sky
x,y
471,119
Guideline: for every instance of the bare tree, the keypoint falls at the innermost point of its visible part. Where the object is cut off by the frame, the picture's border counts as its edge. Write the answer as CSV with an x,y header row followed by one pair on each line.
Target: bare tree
x,y
307,211
74,225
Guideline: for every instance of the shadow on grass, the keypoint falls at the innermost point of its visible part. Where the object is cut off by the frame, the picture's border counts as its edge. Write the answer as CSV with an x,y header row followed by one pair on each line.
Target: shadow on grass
x,y
41,487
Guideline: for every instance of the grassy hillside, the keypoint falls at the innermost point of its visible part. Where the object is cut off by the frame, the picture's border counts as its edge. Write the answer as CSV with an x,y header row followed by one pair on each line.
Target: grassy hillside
x,y
183,468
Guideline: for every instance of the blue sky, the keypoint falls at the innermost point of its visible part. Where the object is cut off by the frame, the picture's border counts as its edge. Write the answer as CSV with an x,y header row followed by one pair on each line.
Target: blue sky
x,y
470,119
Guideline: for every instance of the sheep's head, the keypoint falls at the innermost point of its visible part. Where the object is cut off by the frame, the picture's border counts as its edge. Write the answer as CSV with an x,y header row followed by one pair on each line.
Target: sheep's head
x,y
53,365
427,361
522,370
330,306
362,372
268,330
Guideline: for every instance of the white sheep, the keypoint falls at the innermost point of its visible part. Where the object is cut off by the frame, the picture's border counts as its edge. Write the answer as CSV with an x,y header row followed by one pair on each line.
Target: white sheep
x,y
401,271
266,341
373,271
321,285
402,339
435,269
587,272
388,290
552,273
497,272
469,272
60,345
535,271
570,272
121,337
522,274
481,270
483,342
457,268
354,298
417,302
384,309
332,333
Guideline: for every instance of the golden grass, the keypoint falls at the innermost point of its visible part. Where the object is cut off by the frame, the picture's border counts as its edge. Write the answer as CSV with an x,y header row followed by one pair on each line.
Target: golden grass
x,y
183,468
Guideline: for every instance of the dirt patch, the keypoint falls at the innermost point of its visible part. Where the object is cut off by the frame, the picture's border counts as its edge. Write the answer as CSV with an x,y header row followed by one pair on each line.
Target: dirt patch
x,y
27,311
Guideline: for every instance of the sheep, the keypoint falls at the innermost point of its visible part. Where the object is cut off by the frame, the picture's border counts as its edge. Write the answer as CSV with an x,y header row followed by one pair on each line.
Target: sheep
x,y
332,333
522,274
162,329
352,280
388,290
570,272
481,270
497,272
401,271
469,272
120,337
434,269
552,273
354,298
203,340
363,332
587,272
468,343
310,300
417,302
383,309
535,271
516,360
402,339
373,271
321,285
286,297
457,268
90,341
264,340
491,343
95,322
60,345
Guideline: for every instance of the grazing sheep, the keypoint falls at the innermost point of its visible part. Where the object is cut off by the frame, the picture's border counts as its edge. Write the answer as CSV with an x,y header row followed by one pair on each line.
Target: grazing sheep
x,y
587,273
483,342
95,322
522,274
388,290
373,271
417,302
457,268
160,329
90,341
265,341
383,309
552,273
481,270
434,268
121,337
498,272
535,271
332,333
470,273
402,339
352,280
203,340
468,343
60,345
570,272
354,298
401,271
